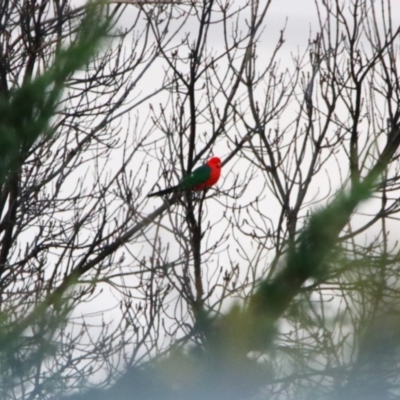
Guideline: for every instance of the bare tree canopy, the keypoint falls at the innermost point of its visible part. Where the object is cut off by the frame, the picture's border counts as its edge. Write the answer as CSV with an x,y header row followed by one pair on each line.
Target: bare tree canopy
x,y
281,281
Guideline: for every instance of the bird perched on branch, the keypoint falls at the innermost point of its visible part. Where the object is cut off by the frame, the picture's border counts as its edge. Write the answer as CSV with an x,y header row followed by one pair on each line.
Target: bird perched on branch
x,y
200,179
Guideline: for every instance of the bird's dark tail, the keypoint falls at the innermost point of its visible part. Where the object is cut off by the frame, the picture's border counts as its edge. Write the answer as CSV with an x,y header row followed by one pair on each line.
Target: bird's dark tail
x,y
165,191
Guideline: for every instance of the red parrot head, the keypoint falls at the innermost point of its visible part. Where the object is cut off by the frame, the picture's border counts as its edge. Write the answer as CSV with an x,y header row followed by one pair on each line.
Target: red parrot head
x,y
215,164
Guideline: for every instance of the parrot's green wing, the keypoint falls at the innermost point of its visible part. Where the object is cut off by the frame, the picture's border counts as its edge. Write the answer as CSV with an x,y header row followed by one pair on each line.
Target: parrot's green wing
x,y
197,177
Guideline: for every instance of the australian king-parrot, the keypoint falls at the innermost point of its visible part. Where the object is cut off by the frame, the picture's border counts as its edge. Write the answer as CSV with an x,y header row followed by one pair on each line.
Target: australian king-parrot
x,y
201,178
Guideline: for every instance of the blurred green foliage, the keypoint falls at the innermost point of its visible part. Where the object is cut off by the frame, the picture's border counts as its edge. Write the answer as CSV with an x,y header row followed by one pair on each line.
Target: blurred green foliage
x,y
26,114
27,110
